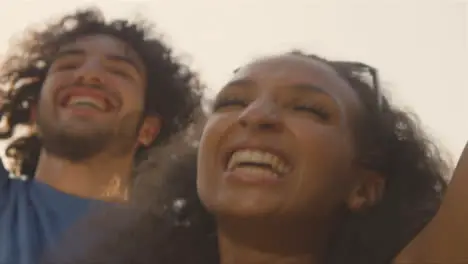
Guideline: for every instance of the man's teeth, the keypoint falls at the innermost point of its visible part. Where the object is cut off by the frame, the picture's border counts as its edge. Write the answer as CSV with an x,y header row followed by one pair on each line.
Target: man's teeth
x,y
86,101
257,158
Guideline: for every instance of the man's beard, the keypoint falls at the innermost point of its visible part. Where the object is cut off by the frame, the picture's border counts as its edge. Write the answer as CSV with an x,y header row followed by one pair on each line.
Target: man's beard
x,y
77,147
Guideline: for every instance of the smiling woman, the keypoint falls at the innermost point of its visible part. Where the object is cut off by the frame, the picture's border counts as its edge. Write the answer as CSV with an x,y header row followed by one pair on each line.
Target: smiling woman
x,y
301,161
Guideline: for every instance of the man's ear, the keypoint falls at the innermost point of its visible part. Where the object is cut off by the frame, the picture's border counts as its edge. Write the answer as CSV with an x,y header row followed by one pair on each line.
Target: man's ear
x,y
367,191
149,130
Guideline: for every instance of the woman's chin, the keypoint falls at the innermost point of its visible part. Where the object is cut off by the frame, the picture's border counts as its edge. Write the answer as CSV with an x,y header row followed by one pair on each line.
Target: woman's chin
x,y
244,210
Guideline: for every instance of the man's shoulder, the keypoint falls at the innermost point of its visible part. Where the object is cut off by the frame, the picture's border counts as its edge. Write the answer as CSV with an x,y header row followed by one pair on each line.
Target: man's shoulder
x,y
8,180
19,192
34,211
4,172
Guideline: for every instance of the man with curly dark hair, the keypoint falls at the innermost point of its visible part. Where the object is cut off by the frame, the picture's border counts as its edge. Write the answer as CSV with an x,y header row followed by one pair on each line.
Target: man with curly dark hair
x,y
98,94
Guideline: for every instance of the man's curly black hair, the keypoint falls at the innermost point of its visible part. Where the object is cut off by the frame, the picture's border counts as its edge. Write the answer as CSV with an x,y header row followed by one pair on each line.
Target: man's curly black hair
x,y
173,89
389,141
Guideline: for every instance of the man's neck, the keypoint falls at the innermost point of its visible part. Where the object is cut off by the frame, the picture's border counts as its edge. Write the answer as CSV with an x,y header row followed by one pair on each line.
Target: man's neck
x,y
98,178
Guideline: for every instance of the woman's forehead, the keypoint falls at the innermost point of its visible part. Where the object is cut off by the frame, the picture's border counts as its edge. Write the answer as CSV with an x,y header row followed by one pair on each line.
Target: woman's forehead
x,y
289,68
292,69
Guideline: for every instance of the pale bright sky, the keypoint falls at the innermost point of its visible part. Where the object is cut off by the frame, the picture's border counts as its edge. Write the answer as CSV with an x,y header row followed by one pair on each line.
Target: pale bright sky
x,y
420,47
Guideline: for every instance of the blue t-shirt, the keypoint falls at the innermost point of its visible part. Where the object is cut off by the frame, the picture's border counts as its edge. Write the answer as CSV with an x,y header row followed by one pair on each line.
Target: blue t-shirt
x,y
33,216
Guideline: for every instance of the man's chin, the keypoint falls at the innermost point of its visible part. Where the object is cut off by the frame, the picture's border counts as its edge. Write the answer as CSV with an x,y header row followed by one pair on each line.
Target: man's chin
x,y
85,126
74,145
82,134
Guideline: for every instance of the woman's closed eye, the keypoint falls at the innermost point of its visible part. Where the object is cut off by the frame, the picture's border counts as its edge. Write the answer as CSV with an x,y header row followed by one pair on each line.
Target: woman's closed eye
x,y
120,73
315,109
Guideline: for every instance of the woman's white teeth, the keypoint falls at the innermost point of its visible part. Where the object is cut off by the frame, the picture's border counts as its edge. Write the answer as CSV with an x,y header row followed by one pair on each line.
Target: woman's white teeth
x,y
256,158
86,101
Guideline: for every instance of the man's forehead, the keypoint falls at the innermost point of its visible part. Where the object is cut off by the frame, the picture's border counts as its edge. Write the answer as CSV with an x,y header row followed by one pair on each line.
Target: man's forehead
x,y
101,42
103,46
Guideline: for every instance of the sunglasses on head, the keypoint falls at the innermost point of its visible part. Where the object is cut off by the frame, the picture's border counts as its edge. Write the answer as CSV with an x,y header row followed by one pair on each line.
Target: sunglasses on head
x,y
367,73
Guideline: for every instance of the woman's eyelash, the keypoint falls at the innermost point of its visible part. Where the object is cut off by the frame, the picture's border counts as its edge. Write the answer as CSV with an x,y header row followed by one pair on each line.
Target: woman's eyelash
x,y
321,112
317,110
120,73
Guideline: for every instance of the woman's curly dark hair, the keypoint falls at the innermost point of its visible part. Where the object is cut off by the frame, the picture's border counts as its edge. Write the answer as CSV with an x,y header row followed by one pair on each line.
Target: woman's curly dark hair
x,y
173,90
389,141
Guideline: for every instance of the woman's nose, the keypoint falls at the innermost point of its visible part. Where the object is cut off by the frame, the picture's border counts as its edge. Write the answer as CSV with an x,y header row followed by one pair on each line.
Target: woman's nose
x,y
262,114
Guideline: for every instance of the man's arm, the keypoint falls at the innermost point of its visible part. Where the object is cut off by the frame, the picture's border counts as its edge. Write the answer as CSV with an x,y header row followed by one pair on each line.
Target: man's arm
x,y
4,174
445,239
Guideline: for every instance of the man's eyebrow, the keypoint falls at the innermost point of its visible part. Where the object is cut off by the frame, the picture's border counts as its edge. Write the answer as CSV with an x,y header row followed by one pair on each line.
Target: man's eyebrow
x,y
112,57
68,52
125,59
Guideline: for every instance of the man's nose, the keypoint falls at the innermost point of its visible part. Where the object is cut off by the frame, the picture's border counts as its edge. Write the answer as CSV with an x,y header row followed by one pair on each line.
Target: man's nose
x,y
90,72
